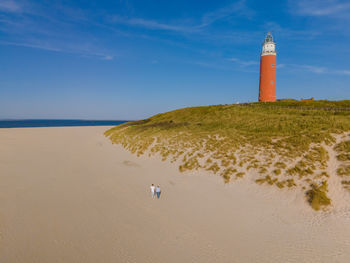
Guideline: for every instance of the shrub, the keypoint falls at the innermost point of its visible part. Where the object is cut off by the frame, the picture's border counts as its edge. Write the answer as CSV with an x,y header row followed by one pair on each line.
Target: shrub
x,y
214,168
227,178
262,170
290,183
280,165
225,162
277,171
190,164
226,174
344,157
343,147
317,196
343,170
280,184
240,174
267,179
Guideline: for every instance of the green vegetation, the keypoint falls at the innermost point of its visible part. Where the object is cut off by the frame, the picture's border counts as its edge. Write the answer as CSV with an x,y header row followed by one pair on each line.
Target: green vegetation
x,y
274,181
283,140
344,170
240,174
343,150
317,196
346,184
280,165
267,179
325,104
277,171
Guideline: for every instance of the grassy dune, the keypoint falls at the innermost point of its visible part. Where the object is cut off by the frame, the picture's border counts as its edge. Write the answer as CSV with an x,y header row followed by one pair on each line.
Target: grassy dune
x,y
282,144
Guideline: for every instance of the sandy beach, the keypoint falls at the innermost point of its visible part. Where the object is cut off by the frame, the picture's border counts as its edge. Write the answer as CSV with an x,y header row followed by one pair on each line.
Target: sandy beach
x,y
68,195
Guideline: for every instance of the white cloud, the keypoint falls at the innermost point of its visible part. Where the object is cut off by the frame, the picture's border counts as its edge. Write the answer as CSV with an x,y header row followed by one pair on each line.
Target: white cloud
x,y
28,24
9,6
244,63
237,8
212,65
63,48
315,69
284,32
108,57
342,72
30,45
319,7
150,24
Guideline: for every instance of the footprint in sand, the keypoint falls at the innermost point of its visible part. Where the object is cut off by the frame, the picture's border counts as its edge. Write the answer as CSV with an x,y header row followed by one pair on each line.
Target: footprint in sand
x,y
171,183
130,164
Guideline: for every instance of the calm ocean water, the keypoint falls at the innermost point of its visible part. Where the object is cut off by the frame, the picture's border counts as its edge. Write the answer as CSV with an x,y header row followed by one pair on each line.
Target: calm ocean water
x,y
55,123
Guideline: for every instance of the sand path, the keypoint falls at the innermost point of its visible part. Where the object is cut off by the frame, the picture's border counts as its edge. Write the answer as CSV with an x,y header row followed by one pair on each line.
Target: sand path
x,y
68,195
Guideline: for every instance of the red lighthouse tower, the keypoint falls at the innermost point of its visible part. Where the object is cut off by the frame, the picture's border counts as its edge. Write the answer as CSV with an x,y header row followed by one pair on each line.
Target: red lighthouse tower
x,y
267,84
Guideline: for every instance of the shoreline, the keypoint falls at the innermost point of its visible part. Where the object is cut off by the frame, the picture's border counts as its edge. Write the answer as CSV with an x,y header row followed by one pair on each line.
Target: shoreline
x,y
83,126
44,123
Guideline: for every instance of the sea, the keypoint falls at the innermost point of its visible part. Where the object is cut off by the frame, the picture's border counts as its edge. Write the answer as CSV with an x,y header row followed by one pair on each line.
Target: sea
x,y
56,123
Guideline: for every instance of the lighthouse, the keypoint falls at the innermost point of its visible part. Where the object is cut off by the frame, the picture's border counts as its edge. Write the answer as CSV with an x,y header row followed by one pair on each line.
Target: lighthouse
x,y
267,83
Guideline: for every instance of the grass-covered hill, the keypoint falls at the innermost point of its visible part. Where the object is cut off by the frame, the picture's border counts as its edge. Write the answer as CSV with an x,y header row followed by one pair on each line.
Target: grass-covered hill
x,y
284,144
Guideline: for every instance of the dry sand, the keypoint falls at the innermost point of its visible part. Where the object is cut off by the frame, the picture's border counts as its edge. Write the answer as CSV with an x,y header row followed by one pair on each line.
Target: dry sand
x,y
69,195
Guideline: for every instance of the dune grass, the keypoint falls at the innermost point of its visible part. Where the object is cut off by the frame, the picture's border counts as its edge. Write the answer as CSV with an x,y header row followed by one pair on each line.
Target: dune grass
x,y
318,196
343,156
285,138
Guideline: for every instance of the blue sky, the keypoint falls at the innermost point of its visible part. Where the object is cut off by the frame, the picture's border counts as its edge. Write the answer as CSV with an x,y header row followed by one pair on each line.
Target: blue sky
x,y
130,59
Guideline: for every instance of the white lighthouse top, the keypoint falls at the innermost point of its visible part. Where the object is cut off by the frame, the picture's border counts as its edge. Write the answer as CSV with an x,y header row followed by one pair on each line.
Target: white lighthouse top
x,y
268,47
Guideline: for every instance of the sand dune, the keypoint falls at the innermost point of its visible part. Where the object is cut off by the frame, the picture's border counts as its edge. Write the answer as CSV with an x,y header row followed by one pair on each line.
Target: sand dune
x,y
69,195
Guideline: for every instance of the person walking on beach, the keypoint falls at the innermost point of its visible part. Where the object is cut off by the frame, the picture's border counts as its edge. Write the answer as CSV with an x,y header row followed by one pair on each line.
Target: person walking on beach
x,y
153,190
158,192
